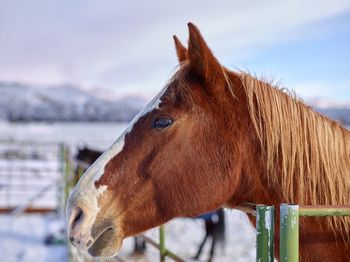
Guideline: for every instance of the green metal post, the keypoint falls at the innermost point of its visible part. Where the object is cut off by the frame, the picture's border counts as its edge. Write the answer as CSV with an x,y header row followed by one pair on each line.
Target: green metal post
x,y
289,233
265,224
68,184
63,191
80,173
162,243
64,172
67,187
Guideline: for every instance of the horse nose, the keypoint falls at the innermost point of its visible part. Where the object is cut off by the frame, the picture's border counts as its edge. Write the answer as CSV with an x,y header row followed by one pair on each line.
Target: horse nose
x,y
77,236
75,219
77,216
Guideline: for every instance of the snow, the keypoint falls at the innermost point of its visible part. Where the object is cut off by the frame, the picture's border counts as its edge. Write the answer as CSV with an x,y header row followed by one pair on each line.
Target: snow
x,y
19,102
183,236
22,239
97,135
27,170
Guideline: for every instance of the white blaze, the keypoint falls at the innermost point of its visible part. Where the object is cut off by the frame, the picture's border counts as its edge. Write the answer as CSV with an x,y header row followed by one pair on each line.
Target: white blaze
x,y
85,192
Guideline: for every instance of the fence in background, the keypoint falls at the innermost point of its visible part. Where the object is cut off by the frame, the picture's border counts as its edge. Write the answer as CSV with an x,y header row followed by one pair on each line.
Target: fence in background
x,y
30,176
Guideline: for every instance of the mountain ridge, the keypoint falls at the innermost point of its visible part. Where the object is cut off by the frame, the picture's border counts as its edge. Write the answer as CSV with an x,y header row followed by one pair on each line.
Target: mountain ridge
x,y
20,102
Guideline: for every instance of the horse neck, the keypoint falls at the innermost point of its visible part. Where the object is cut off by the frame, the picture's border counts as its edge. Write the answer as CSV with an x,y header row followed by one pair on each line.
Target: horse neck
x,y
283,155
318,241
255,184
248,168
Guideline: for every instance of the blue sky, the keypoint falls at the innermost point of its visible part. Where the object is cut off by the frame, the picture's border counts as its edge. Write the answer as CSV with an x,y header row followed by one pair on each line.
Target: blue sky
x,y
314,66
127,46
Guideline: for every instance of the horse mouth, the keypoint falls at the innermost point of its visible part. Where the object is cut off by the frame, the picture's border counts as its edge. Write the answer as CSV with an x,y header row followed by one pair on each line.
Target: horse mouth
x,y
100,246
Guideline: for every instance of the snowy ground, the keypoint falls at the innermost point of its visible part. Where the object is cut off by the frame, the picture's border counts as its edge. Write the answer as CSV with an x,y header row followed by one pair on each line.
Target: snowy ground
x,y
183,237
97,135
22,238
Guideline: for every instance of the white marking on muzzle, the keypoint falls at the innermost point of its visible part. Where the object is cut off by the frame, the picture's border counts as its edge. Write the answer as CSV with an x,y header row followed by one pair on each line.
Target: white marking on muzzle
x,y
85,192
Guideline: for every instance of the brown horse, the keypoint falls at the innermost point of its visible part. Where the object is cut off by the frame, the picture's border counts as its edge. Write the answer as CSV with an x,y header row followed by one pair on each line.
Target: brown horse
x,y
214,137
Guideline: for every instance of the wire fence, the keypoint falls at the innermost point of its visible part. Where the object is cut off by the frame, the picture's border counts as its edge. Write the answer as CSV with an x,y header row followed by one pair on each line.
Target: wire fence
x,y
30,177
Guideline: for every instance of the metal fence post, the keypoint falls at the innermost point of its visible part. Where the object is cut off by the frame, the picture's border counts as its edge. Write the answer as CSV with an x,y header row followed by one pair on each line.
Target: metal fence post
x,y
289,233
265,224
77,176
67,171
162,243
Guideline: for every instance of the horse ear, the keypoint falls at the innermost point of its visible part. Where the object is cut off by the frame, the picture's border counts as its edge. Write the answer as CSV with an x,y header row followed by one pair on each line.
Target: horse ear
x,y
201,58
181,51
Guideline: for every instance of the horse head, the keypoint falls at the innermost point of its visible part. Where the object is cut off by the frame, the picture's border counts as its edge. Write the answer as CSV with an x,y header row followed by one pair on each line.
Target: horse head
x,y
182,155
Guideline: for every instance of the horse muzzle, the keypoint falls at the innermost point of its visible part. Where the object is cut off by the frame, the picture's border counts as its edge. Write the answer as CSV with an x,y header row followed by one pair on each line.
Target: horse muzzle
x,y
79,226
87,232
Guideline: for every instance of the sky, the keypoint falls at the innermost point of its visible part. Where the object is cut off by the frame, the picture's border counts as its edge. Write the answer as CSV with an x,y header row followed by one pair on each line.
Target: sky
x,y
127,46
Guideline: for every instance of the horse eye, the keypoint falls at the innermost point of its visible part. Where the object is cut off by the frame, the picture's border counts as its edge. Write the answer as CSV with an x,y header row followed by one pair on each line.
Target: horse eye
x,y
162,122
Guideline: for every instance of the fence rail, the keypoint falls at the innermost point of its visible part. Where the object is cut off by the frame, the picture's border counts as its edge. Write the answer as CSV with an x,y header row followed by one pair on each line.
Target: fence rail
x,y
320,211
30,177
163,252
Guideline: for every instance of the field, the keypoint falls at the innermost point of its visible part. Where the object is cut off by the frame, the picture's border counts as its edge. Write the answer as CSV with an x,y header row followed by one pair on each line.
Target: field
x,y
22,237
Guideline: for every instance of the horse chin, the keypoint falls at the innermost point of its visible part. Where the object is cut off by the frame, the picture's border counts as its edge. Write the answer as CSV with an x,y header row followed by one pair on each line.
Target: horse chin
x,y
106,245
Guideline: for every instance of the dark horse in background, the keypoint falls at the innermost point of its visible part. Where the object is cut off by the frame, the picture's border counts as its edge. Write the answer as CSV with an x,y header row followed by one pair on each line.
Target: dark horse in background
x,y
215,137
214,221
214,229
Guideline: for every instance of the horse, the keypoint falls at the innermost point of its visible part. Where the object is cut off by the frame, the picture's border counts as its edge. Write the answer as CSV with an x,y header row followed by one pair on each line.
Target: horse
x,y
87,155
215,229
214,222
215,137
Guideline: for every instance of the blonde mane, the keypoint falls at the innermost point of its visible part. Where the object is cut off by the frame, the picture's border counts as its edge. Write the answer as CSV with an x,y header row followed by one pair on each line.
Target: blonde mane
x,y
307,155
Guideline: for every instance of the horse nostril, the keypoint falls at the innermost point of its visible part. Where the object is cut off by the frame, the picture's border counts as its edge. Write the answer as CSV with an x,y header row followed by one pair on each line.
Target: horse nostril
x,y
71,239
77,217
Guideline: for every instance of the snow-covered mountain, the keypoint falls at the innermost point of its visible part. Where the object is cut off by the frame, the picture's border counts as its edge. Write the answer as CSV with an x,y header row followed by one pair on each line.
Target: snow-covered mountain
x,y
69,103
339,111
340,114
63,103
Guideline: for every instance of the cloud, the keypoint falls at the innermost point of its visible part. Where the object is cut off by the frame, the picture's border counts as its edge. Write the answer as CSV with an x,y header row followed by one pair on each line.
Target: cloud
x,y
127,44
324,90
